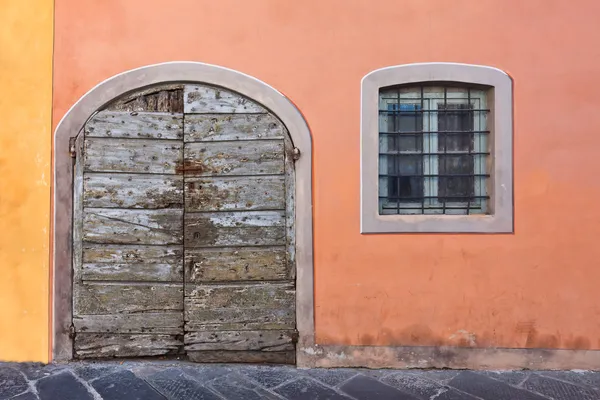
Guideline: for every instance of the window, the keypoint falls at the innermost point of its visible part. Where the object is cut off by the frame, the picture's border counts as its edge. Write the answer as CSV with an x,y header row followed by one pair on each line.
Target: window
x,y
436,149
432,150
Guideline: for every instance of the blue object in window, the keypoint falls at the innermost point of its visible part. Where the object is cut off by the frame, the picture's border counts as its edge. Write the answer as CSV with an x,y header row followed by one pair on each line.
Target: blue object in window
x,y
404,107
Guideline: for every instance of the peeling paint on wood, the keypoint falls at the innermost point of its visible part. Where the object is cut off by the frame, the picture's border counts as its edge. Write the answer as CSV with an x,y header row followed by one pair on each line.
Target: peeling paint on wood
x,y
255,357
264,157
97,253
132,272
110,225
243,296
290,206
235,193
133,156
235,264
114,298
161,98
132,263
94,345
207,99
135,125
77,209
239,307
251,228
214,127
231,319
239,340
163,322
132,190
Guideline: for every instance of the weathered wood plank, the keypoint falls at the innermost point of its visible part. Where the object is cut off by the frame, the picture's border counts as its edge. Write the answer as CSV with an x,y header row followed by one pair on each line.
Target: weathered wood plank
x,y
133,263
235,193
78,209
207,99
235,319
96,345
235,264
254,357
135,125
142,272
132,226
239,307
114,298
165,323
257,157
132,190
96,253
133,156
240,340
213,127
249,228
160,98
240,295
290,206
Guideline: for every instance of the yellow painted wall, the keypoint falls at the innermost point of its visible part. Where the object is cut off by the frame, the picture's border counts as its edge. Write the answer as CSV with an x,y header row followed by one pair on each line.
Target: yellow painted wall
x,y
26,33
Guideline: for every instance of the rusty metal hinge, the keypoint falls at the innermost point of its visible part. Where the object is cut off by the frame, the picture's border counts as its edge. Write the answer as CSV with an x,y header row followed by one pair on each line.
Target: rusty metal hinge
x,y
72,147
72,331
295,336
295,153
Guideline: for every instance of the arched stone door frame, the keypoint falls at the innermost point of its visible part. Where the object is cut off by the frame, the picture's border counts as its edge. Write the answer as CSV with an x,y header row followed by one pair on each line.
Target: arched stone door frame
x,y
118,85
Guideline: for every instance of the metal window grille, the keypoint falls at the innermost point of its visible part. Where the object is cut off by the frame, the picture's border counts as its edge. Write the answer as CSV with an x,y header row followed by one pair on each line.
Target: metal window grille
x,y
433,150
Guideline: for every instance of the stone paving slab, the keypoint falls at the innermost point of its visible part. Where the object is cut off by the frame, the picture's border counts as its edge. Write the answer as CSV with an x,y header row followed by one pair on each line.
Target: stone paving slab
x,y
178,380
63,385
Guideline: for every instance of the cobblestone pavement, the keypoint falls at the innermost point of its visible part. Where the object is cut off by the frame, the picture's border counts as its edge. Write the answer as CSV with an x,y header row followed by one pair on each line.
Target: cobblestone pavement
x,y
161,380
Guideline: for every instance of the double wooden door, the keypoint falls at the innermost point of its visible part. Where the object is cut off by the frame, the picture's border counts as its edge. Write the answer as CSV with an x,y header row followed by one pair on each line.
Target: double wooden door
x,y
183,235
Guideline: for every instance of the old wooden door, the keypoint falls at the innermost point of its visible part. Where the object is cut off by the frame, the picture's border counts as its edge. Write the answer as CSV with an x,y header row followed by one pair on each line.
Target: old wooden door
x,y
183,229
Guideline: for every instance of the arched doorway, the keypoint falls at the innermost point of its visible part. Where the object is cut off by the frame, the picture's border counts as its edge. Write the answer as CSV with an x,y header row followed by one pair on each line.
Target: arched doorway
x,y
189,222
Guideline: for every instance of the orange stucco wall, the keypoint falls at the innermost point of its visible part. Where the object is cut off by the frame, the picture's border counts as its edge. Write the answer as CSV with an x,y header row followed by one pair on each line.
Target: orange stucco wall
x,y
536,288
25,132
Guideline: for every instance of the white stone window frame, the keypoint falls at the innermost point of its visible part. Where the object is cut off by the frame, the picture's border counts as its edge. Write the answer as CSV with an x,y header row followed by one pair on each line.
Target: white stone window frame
x,y
499,217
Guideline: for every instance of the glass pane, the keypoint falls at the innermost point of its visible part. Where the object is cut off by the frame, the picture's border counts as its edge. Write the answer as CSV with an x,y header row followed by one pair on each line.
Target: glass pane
x,y
406,121
455,126
405,180
404,167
